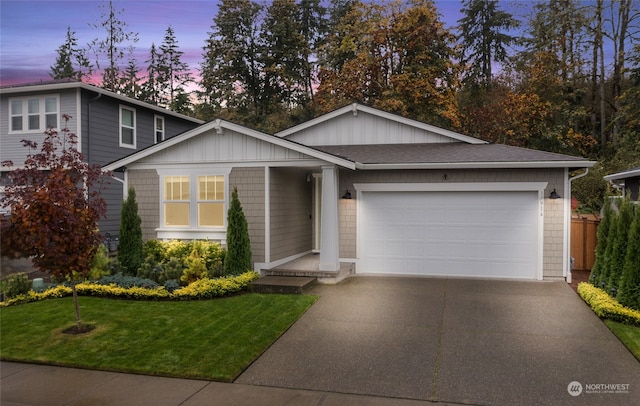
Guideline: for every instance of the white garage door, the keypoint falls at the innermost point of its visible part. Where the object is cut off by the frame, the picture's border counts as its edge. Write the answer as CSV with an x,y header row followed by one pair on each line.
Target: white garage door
x,y
478,234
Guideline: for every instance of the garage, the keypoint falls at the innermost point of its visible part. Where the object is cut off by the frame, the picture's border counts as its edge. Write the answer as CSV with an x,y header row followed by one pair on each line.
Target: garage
x,y
471,233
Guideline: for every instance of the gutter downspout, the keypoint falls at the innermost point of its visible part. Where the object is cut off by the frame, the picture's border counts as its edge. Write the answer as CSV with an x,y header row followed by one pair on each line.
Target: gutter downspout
x,y
568,229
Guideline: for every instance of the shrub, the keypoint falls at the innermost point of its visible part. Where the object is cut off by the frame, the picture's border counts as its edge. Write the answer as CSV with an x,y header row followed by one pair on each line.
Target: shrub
x,y
101,265
155,249
130,247
607,307
603,238
16,284
172,270
615,260
127,281
238,258
201,289
171,285
150,269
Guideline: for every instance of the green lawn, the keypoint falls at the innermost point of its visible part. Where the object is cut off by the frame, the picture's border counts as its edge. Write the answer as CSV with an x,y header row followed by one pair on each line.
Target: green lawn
x,y
208,339
629,335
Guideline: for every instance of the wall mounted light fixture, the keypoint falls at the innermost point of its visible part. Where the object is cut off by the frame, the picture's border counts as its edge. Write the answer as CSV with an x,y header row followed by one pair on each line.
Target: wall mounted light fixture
x,y
554,195
347,195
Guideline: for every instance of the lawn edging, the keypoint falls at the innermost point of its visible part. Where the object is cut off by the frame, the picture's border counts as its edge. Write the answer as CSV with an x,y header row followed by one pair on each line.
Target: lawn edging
x,y
205,288
606,307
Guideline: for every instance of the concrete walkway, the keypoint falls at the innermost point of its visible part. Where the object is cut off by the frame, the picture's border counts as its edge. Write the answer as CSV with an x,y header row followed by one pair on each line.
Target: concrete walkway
x,y
393,341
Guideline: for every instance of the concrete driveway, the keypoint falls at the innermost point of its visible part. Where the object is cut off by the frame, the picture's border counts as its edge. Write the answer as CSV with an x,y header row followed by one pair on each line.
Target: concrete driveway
x,y
461,341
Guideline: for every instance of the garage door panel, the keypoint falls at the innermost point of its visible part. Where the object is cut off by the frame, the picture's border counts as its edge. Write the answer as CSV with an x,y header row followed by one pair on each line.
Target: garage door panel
x,y
449,233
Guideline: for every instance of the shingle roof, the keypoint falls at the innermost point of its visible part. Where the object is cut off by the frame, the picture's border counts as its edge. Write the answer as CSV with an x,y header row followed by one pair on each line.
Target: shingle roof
x,y
445,153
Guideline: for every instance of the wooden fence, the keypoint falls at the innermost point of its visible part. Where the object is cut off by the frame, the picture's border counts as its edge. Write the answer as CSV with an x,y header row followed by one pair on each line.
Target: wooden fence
x,y
583,241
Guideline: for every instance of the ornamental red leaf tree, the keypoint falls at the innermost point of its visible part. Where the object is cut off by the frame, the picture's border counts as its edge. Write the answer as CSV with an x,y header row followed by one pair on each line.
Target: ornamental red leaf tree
x,y
55,203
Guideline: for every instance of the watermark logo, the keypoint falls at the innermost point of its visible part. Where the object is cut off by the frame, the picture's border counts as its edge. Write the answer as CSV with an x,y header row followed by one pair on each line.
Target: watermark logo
x,y
574,388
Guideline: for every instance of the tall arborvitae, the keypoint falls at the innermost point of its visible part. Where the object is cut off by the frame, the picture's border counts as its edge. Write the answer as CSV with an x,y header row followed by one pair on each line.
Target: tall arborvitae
x,y
603,238
615,261
629,289
604,270
238,258
130,247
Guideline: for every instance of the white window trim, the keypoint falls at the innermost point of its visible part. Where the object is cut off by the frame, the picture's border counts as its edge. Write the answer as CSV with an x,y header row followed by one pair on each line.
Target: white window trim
x,y
193,231
120,125
155,129
41,111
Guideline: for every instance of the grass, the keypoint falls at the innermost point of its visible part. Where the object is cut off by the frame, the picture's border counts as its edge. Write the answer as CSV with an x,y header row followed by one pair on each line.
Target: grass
x,y
629,335
204,339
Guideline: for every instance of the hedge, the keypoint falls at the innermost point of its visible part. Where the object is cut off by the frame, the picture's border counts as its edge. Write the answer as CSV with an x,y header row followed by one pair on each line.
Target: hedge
x,y
607,307
202,289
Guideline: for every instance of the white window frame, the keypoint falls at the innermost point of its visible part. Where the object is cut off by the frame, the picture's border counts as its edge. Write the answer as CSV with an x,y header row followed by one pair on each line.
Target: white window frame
x,y
157,117
121,126
193,231
42,113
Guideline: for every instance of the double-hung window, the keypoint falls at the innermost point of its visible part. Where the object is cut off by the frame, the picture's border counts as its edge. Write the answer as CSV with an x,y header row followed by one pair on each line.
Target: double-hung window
x,y
127,127
194,201
33,114
159,128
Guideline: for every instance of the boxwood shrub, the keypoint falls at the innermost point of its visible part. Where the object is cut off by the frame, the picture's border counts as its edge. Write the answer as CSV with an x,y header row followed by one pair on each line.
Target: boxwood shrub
x,y
607,307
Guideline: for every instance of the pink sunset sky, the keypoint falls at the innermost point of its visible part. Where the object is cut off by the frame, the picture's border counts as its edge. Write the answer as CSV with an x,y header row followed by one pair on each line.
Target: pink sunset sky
x,y
31,31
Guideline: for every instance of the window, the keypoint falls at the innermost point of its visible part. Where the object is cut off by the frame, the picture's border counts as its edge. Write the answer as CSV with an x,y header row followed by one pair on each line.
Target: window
x,y
127,127
176,201
202,207
33,114
211,201
159,129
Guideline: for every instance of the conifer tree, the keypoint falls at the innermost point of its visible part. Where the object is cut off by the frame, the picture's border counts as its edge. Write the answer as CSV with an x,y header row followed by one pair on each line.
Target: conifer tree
x,y
238,258
173,74
629,290
615,261
71,62
603,238
130,247
612,234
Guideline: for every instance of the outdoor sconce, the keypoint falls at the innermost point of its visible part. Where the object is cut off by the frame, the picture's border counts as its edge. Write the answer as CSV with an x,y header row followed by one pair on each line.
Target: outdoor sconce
x,y
554,195
308,177
347,195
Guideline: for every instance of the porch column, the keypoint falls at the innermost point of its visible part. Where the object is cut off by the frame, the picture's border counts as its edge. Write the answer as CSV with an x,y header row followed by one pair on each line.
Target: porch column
x,y
329,238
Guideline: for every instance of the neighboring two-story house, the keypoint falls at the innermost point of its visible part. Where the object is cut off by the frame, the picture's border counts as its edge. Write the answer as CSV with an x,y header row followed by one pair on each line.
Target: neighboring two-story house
x,y
109,126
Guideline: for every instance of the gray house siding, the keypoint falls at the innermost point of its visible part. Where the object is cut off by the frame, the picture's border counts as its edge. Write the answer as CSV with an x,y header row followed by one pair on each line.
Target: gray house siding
x,y
11,144
251,193
291,219
147,185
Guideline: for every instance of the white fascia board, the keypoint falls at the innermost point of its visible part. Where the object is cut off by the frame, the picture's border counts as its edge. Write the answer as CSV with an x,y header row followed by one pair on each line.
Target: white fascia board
x,y
355,107
81,85
310,163
452,187
478,165
623,175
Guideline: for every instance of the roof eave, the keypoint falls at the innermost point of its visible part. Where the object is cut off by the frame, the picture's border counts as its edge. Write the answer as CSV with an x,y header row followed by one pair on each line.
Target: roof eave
x,y
74,85
477,165
623,175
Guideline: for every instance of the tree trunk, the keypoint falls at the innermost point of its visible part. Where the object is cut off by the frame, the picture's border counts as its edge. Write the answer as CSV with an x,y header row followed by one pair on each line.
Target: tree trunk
x,y
77,307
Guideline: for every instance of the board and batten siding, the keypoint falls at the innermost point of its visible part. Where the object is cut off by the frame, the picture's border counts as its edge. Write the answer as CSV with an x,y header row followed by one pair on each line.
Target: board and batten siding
x,y
553,209
229,147
11,147
364,129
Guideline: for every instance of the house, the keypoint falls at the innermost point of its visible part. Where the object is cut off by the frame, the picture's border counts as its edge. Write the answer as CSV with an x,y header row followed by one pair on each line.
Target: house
x,y
108,125
359,186
628,180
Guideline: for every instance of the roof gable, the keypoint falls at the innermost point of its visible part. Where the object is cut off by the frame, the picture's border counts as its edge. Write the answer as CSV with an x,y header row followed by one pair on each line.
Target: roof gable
x,y
222,141
361,125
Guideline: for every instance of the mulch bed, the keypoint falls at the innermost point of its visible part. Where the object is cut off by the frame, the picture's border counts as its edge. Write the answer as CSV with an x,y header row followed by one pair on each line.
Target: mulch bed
x,y
577,277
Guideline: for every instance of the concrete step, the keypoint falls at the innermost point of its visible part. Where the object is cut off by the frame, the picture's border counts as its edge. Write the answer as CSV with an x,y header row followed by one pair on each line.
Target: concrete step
x,y
282,284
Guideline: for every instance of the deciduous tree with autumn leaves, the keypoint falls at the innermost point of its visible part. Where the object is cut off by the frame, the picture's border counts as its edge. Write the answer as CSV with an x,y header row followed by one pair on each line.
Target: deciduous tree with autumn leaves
x,y
54,203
